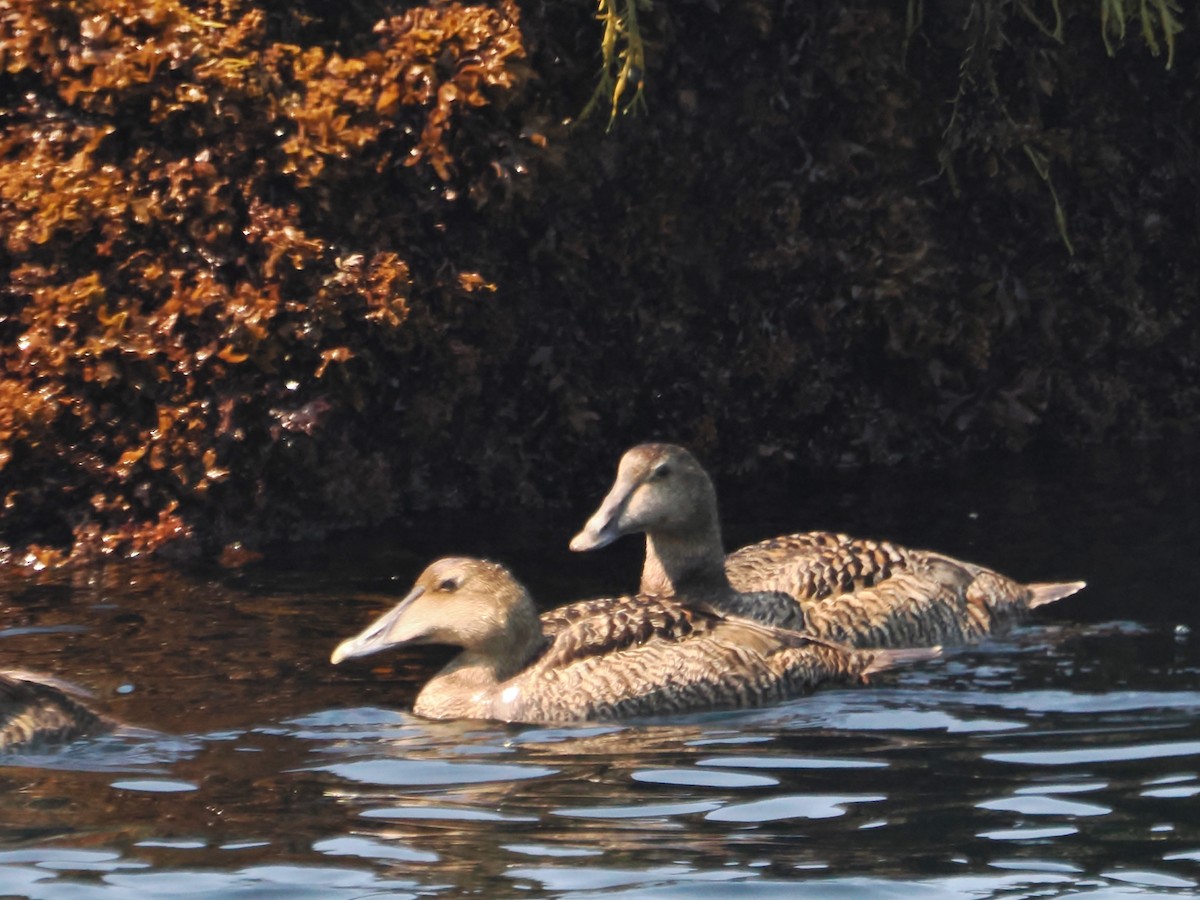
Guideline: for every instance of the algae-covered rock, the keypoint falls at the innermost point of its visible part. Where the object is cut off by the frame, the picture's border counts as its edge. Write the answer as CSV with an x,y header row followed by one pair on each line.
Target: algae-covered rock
x,y
267,271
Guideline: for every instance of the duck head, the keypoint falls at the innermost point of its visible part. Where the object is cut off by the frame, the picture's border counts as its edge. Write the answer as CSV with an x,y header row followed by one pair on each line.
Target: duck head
x,y
660,489
462,602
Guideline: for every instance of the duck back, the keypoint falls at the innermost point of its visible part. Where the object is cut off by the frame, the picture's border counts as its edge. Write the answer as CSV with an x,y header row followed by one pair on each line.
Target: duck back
x,y
616,666
36,712
876,594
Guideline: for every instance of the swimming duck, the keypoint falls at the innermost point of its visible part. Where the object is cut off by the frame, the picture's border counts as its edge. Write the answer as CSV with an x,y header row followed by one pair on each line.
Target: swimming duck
x,y
36,710
604,659
861,593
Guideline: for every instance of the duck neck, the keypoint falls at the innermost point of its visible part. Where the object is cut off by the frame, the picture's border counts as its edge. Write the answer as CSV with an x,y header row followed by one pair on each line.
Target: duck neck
x,y
464,687
462,690
691,564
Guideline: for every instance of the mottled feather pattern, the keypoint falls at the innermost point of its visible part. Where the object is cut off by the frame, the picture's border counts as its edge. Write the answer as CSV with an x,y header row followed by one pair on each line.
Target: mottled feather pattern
x,y
864,593
597,659
770,607
560,617
875,594
734,665
32,714
816,565
596,627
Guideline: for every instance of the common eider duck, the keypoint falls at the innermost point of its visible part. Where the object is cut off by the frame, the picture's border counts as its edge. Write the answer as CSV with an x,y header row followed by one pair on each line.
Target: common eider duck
x,y
597,660
861,593
37,710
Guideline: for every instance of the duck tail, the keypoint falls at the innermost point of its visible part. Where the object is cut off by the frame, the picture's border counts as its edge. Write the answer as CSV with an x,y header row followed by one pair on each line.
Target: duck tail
x,y
1050,592
882,660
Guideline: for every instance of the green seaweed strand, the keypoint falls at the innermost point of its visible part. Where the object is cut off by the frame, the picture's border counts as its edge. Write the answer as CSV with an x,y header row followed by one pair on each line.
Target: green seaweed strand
x,y
622,61
1159,24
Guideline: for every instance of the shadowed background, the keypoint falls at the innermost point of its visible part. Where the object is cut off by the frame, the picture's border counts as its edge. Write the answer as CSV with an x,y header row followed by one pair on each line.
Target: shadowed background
x,y
269,271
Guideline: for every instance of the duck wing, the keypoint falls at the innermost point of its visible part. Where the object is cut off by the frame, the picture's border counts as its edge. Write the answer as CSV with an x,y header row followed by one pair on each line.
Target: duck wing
x,y
609,625
814,565
719,663
877,594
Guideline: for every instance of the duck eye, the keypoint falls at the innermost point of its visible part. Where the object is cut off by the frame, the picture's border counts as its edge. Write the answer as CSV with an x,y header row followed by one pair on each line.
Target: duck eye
x,y
449,585
661,472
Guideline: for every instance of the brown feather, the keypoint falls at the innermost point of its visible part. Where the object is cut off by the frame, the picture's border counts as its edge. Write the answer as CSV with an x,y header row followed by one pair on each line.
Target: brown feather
x,y
599,659
36,711
859,592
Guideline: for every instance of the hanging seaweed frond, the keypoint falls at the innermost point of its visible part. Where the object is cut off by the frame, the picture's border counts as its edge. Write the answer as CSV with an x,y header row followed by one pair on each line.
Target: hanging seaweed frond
x,y
1057,31
622,80
1158,20
1041,164
979,85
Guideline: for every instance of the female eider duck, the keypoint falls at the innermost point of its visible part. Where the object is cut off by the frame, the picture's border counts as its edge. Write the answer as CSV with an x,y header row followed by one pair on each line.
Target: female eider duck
x,y
596,660
860,593
36,710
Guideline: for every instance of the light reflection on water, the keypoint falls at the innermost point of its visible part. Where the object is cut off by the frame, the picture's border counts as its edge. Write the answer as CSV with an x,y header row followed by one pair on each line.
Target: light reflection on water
x,y
926,786
1061,760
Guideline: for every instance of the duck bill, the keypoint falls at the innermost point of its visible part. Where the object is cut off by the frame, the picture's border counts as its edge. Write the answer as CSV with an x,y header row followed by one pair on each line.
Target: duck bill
x,y
388,630
604,526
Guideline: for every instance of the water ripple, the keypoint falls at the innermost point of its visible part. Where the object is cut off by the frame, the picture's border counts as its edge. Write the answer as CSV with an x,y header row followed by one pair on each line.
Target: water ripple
x,y
698,778
638,811
1122,753
1044,806
794,806
427,772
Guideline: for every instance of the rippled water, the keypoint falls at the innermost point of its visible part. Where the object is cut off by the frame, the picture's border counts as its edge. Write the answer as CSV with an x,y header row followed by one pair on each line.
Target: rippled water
x,y
1061,760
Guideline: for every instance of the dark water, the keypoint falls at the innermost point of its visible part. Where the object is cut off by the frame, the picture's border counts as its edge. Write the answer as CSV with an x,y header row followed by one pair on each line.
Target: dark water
x,y
1061,760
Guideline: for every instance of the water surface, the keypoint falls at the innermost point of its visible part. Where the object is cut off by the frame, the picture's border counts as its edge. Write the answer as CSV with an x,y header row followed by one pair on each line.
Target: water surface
x,y
1061,760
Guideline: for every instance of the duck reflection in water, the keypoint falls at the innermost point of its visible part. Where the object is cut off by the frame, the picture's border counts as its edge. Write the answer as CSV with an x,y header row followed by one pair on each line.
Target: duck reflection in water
x,y
598,659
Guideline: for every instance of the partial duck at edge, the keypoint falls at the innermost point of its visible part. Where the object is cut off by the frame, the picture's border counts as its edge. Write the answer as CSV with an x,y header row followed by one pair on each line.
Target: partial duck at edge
x,y
596,660
861,593
38,710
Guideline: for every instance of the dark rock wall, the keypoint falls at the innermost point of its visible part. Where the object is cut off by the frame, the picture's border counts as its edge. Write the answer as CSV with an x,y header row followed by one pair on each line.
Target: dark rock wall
x,y
270,270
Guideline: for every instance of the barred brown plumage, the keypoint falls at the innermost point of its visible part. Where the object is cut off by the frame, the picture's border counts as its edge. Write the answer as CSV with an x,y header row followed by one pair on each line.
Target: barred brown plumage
x,y
609,658
862,593
37,710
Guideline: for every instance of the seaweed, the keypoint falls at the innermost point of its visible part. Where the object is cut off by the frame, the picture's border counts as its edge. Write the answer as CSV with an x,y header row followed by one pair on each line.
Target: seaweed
x,y
270,271
183,276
